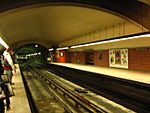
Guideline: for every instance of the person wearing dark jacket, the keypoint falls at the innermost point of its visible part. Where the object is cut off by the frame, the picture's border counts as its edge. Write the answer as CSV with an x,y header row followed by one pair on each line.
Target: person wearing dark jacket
x,y
3,88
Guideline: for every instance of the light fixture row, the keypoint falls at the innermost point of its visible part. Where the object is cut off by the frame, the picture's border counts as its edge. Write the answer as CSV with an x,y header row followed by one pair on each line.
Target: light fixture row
x,y
34,54
104,41
2,42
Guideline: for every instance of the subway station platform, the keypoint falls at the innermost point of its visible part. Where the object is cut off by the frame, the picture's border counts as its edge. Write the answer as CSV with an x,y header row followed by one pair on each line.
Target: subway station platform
x,y
19,102
134,75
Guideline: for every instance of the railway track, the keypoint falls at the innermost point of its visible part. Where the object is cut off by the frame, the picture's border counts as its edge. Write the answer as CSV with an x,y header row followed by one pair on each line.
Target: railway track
x,y
40,98
132,95
72,101
76,99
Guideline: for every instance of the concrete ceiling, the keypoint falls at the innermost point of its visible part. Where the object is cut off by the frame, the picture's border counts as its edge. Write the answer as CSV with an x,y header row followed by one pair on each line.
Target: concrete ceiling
x,y
48,25
131,43
145,1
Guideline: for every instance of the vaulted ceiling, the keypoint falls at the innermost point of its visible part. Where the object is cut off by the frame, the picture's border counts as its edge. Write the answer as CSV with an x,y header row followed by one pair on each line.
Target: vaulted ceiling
x,y
48,24
52,24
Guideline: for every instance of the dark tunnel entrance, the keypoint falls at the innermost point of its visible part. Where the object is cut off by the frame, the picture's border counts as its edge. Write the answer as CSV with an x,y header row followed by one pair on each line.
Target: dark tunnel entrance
x,y
31,53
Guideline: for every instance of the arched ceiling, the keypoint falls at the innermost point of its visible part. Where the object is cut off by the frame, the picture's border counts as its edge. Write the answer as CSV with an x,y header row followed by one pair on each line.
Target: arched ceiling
x,y
51,23
145,1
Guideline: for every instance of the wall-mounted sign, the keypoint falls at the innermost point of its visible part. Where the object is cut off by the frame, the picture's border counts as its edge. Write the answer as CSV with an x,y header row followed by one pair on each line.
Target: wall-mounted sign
x,y
118,58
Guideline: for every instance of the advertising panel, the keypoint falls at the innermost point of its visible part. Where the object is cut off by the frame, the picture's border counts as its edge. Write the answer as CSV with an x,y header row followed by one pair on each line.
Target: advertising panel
x,y
118,58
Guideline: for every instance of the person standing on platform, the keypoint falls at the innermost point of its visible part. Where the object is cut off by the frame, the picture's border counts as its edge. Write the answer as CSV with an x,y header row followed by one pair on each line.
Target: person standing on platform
x,y
4,93
2,107
8,65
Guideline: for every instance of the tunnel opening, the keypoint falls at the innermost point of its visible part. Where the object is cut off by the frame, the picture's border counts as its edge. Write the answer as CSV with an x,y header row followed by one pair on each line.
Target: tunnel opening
x,y
31,54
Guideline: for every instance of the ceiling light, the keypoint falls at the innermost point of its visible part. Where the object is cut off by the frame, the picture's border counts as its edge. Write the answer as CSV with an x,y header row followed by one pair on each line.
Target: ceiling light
x,y
110,40
51,49
3,43
62,48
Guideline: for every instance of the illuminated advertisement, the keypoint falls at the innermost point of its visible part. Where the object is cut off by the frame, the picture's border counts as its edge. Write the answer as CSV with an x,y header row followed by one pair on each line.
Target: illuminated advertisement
x,y
118,58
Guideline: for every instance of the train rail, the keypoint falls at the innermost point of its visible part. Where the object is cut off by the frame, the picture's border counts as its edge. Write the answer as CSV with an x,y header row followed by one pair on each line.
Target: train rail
x,y
131,94
41,100
74,99
78,103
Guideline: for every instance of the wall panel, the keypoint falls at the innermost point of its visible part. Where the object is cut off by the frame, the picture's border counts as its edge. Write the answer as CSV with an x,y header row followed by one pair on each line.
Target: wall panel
x,y
139,59
101,58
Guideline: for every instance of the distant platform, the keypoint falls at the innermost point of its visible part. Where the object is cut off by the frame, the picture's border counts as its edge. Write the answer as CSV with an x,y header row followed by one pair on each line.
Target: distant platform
x,y
139,76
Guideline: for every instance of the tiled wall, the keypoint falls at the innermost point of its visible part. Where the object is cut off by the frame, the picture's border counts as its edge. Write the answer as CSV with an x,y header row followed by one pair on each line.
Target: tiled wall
x,y
139,59
101,58
73,58
61,56
77,57
82,57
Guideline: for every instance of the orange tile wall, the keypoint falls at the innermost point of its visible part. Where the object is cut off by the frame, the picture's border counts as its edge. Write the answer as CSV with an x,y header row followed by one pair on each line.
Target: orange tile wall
x,y
57,57
77,57
62,58
82,57
73,58
104,60
139,59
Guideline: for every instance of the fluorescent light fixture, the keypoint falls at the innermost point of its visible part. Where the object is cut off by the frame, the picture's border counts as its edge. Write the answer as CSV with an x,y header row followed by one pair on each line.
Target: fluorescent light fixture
x,y
51,49
3,43
111,40
62,48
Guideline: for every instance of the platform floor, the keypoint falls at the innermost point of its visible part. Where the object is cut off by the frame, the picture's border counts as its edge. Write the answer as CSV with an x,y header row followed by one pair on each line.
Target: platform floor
x,y
19,102
139,76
